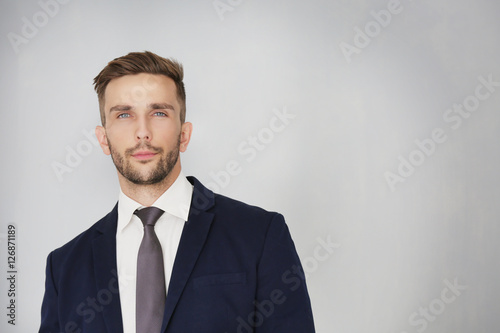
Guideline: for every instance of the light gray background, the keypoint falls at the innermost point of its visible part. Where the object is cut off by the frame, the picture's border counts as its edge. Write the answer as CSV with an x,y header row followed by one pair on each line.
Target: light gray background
x,y
396,250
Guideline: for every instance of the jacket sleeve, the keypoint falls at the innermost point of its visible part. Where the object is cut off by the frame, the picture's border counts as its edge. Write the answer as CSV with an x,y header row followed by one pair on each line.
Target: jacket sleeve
x,y
282,303
50,320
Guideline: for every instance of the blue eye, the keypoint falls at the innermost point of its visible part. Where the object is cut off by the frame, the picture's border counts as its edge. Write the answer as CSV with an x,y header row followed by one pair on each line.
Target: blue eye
x,y
123,115
161,114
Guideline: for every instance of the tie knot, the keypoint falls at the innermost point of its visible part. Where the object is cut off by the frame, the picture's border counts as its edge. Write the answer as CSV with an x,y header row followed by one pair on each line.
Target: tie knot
x,y
149,215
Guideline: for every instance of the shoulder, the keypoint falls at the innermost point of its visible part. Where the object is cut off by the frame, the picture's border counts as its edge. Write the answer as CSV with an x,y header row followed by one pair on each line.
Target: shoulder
x,y
205,200
223,204
250,232
235,219
82,243
246,220
228,209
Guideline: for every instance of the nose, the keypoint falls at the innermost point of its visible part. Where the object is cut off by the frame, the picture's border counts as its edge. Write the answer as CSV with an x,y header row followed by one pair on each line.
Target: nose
x,y
143,131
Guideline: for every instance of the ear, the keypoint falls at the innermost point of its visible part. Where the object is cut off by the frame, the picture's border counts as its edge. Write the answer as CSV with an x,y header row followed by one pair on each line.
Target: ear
x,y
186,130
100,133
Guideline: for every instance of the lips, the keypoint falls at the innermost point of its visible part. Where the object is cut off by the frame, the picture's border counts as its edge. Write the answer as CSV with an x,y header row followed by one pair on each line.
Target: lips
x,y
143,155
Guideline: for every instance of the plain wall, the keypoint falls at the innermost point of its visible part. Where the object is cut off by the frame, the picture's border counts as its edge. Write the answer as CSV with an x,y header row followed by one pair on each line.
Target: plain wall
x,y
388,150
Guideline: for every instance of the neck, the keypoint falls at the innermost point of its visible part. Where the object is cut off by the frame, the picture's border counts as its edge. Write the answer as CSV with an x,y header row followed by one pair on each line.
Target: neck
x,y
146,195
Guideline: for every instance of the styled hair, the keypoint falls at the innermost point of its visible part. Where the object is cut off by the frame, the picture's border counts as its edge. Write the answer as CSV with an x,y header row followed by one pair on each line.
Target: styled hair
x,y
136,63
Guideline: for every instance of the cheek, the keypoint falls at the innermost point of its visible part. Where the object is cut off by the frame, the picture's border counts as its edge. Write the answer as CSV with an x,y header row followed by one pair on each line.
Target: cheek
x,y
168,134
118,142
169,141
118,132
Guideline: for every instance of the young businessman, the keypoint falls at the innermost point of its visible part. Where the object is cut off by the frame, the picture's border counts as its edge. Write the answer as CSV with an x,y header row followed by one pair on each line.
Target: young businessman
x,y
172,256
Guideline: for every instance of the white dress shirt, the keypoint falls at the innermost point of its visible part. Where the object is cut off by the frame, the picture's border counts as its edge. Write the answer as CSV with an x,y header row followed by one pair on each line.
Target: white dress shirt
x,y
175,202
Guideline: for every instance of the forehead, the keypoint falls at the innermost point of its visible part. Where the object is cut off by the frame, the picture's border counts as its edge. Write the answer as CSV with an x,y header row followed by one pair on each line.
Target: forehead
x,y
141,88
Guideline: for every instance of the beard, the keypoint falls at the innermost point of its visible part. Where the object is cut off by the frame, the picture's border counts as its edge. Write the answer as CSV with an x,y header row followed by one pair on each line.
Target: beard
x,y
162,169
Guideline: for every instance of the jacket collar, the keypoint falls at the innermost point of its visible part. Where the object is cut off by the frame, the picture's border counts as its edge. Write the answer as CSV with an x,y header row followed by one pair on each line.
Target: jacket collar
x,y
192,241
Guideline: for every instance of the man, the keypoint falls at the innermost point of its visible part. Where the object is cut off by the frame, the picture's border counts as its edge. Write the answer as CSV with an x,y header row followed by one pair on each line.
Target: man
x,y
171,256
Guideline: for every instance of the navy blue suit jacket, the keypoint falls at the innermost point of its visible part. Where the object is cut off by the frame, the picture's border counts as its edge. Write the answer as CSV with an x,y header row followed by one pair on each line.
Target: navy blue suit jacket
x,y
236,270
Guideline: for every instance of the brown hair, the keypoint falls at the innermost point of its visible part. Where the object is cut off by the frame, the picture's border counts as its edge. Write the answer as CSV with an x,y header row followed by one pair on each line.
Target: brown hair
x,y
141,62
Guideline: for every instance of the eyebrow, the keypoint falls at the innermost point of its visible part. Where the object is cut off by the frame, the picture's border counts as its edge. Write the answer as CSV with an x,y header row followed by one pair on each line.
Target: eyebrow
x,y
156,106
152,106
120,108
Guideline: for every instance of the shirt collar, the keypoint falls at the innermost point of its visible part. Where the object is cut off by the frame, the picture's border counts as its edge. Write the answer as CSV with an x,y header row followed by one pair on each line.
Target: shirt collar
x,y
175,201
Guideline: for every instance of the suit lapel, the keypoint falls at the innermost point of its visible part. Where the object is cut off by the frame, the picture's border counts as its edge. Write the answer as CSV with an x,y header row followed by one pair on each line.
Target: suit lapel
x,y
192,240
106,277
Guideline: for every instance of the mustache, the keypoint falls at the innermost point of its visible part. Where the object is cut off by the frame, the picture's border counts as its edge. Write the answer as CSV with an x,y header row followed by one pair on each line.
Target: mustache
x,y
143,146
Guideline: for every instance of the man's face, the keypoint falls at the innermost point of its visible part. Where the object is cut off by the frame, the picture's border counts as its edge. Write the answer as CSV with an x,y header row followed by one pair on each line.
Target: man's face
x,y
143,132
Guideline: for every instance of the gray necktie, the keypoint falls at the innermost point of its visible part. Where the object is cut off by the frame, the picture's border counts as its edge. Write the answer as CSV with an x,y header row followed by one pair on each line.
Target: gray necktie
x,y
150,294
